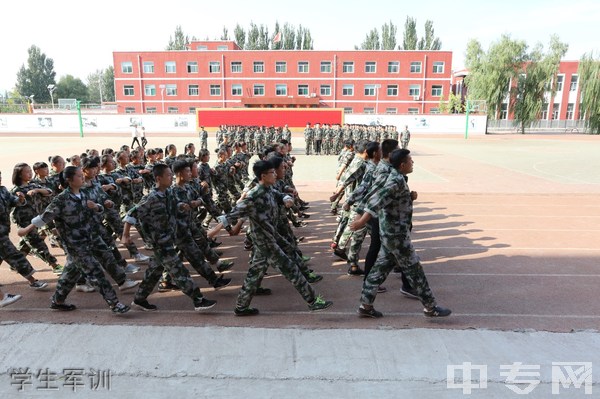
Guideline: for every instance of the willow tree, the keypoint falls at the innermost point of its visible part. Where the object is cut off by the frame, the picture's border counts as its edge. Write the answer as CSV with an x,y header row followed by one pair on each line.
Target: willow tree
x,y
589,78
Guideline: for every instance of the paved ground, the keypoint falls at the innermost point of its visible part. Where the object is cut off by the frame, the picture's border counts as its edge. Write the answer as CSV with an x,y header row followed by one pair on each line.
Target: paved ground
x,y
507,228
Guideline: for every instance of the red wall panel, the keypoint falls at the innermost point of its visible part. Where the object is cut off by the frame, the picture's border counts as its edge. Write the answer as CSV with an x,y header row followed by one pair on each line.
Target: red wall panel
x,y
294,118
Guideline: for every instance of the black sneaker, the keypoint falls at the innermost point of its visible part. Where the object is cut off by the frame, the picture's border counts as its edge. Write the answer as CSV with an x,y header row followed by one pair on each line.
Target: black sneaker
x,y
340,253
119,308
246,312
437,311
319,304
167,286
409,293
204,304
362,312
225,265
314,278
143,305
214,244
65,307
221,282
354,270
263,291
304,215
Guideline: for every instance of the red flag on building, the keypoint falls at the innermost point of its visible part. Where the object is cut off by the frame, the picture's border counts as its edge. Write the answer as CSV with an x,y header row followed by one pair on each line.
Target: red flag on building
x,y
277,38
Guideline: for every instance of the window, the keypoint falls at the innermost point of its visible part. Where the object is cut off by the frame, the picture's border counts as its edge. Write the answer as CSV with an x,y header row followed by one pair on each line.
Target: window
x,y
192,110
173,110
348,67
370,67
434,111
415,67
236,67
280,66
303,90
130,110
555,111
370,90
222,48
574,80
214,67
325,66
559,82
193,90
236,90
148,67
215,90
259,67
504,112
126,67
171,90
393,66
303,67
369,110
150,90
347,110
150,110
347,90
391,111
392,90
544,115
201,48
192,67
281,90
170,67
325,90
570,111
438,67
128,90
413,111
414,90
259,90
436,90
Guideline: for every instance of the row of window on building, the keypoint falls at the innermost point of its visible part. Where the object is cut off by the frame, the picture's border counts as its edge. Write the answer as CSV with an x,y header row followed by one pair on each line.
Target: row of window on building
x,y
347,110
546,112
170,67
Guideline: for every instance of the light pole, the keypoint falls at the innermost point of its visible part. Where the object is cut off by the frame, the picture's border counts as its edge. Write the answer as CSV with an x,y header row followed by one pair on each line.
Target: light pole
x,y
377,87
51,89
162,97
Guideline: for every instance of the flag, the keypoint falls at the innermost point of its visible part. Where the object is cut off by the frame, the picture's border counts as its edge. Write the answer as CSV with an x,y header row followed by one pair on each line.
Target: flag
x,y
277,38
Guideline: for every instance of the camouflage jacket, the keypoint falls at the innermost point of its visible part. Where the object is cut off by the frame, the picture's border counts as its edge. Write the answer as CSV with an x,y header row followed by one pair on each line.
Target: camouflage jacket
x,y
7,202
156,213
35,204
365,185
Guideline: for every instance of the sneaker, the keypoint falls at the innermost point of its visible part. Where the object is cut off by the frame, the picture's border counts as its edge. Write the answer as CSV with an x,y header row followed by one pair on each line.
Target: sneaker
x,y
58,269
219,253
334,211
245,312
304,215
340,253
38,285
132,268
362,312
381,289
65,307
248,247
300,224
437,311
306,258
127,285
355,271
214,244
319,304
9,299
221,282
409,293
300,239
224,265
167,286
314,278
84,288
140,257
262,291
119,308
143,305
204,304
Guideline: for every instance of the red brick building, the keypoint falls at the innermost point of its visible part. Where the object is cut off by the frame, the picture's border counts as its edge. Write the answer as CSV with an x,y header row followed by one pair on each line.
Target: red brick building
x,y
220,74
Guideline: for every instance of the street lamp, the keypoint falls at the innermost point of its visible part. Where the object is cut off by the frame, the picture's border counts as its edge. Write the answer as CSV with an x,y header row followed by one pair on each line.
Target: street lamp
x,y
377,87
51,89
162,97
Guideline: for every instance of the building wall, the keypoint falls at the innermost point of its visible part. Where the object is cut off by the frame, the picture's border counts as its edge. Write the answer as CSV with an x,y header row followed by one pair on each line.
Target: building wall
x,y
129,73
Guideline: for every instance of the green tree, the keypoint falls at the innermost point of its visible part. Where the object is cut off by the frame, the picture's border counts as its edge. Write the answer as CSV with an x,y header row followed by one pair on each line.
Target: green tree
x,y
589,83
101,86
225,34
71,87
307,42
264,40
299,37
288,37
240,35
388,36
409,41
371,41
179,42
34,78
452,105
527,96
429,41
279,44
109,84
253,41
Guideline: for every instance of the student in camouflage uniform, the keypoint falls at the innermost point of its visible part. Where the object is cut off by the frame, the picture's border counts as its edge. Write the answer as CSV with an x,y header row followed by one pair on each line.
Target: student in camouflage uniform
x,y
405,137
287,134
392,203
203,138
157,215
260,208
71,211
223,172
309,136
344,159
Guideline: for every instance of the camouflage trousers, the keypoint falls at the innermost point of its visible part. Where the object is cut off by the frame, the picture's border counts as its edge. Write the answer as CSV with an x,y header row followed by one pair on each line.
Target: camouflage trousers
x,y
203,144
114,224
167,259
15,259
192,252
404,144
83,262
33,243
352,240
309,144
397,254
341,227
270,254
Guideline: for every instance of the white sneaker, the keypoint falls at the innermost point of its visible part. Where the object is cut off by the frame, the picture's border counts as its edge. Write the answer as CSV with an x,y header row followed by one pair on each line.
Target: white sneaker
x,y
128,284
9,299
140,257
132,268
84,288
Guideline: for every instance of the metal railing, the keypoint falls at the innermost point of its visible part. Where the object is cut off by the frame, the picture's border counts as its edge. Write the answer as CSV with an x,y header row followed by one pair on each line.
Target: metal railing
x,y
555,126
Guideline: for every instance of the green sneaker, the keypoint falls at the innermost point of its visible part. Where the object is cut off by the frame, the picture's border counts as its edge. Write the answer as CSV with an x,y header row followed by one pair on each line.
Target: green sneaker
x,y
314,278
319,304
58,269
306,258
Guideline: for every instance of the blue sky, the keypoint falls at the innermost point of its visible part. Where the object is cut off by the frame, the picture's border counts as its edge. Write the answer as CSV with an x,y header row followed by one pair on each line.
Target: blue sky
x,y
82,44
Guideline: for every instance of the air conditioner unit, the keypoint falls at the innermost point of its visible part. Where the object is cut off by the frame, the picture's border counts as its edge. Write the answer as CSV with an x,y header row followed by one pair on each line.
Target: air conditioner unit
x,y
416,98
313,94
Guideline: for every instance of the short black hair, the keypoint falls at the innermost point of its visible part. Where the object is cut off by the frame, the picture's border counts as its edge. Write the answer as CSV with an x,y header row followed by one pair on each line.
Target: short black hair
x,y
159,169
387,146
398,156
260,167
372,148
180,165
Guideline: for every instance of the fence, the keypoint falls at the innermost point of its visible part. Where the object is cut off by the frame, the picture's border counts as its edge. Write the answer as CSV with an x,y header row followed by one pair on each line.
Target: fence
x,y
538,126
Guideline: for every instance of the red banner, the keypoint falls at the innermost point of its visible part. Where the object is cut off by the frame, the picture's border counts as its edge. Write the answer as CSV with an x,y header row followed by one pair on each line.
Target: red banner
x,y
293,117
